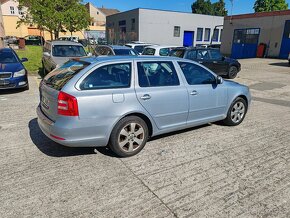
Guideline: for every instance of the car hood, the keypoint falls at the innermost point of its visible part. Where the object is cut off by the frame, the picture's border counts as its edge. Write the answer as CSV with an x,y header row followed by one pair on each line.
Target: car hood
x,y
11,67
233,83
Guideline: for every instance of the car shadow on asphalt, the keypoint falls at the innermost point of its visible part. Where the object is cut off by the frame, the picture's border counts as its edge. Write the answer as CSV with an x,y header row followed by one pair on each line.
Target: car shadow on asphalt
x,y
11,91
280,64
51,148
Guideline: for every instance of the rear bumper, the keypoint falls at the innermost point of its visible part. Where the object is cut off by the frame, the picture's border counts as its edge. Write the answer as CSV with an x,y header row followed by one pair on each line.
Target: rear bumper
x,y
54,131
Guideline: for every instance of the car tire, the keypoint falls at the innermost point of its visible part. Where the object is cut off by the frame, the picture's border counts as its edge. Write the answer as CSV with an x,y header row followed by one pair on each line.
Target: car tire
x,y
233,72
236,113
126,141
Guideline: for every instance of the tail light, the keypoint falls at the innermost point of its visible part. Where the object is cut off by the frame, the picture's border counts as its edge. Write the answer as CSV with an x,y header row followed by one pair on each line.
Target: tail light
x,y
67,105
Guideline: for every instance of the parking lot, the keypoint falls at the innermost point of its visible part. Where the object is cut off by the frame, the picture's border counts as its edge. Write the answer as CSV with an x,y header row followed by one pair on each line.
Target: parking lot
x,y
213,170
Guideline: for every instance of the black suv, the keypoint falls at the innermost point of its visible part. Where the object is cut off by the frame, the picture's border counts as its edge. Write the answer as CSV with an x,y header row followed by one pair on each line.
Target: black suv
x,y
212,59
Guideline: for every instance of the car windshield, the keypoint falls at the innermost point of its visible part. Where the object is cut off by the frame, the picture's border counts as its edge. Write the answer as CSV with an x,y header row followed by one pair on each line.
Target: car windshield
x,y
68,51
60,76
7,57
125,52
177,53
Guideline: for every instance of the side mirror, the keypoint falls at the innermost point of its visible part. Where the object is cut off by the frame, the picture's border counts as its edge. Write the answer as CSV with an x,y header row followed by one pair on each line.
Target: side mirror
x,y
24,60
219,80
46,54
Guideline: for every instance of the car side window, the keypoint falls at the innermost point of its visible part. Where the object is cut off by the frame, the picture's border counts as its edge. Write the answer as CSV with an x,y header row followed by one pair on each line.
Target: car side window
x,y
156,74
196,75
191,55
203,55
164,51
108,77
215,55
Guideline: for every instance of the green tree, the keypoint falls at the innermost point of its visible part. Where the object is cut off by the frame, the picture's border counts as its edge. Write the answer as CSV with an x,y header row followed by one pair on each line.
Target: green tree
x,y
219,8
270,5
206,7
55,16
202,7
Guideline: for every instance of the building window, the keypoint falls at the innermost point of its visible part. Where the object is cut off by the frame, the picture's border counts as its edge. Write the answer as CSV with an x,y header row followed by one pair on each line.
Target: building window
x,y
12,10
133,24
176,31
122,23
207,34
199,34
215,36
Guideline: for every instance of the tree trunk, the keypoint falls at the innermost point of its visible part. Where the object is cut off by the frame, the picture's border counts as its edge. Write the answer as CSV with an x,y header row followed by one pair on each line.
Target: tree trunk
x,y
56,34
51,35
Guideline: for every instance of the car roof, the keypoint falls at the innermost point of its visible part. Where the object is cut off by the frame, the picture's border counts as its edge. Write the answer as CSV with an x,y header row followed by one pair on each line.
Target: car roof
x,y
59,42
116,47
93,60
162,46
6,50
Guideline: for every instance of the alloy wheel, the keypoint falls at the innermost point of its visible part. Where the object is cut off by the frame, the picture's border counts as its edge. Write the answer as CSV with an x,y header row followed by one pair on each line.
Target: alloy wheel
x,y
238,112
131,137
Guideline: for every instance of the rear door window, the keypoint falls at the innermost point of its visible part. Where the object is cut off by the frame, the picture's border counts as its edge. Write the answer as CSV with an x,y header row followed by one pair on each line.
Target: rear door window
x,y
155,74
58,78
108,77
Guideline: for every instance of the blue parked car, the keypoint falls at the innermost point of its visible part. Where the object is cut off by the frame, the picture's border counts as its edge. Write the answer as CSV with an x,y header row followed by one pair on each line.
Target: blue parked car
x,y
12,72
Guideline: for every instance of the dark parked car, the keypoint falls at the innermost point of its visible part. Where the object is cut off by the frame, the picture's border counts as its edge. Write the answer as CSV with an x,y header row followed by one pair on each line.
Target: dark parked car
x,y
12,72
109,50
34,40
212,59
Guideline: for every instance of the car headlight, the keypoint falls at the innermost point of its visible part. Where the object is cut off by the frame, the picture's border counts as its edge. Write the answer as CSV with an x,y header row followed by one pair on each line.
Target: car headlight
x,y
20,73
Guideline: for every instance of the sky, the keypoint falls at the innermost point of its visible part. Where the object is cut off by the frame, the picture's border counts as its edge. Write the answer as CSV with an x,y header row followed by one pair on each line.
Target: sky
x,y
240,6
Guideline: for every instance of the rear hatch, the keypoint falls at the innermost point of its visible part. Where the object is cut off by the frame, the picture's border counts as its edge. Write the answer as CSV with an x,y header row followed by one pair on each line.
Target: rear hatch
x,y
53,83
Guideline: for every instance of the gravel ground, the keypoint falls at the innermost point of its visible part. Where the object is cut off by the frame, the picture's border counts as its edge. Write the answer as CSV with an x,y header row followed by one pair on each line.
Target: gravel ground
x,y
210,171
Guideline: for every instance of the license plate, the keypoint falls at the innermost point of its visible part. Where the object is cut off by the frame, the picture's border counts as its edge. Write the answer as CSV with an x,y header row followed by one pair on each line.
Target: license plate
x,y
45,102
4,82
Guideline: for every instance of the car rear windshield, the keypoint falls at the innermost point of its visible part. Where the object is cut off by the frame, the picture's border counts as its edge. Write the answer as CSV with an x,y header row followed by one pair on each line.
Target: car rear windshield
x,y
125,52
60,76
149,51
7,57
68,51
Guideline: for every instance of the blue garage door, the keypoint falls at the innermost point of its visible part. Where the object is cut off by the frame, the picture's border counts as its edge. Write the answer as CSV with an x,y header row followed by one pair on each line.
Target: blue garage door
x,y
285,46
245,43
188,38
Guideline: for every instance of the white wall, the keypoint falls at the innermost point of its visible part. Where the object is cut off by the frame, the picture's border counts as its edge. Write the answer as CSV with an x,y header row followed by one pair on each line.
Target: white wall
x,y
158,26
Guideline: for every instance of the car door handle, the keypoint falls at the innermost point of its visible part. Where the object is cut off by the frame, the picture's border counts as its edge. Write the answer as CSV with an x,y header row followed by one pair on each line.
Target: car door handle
x,y
194,92
145,97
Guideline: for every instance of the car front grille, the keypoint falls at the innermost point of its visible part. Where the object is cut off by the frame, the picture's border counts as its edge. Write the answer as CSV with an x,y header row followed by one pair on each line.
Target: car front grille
x,y
5,75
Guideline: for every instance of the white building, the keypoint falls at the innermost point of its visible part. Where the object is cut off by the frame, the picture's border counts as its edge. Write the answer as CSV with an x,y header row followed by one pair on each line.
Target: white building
x,y
164,27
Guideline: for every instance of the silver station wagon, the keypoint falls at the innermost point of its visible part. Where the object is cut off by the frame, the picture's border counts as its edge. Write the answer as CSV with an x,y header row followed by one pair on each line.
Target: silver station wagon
x,y
123,101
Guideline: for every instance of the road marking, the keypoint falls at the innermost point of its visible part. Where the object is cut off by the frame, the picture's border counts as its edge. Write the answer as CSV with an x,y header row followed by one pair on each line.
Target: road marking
x,y
3,99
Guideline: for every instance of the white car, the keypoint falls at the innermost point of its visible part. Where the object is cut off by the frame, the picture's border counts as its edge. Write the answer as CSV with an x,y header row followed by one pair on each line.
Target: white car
x,y
139,47
157,50
69,38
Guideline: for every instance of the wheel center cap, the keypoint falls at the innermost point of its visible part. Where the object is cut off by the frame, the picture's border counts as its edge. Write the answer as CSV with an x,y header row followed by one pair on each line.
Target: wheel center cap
x,y
131,136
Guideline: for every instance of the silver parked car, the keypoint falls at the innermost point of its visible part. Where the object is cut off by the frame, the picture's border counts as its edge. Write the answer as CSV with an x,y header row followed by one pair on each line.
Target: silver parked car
x,y
122,101
56,53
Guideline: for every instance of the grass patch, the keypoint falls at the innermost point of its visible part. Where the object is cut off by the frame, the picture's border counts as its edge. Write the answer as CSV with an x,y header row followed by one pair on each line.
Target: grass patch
x,y
34,55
